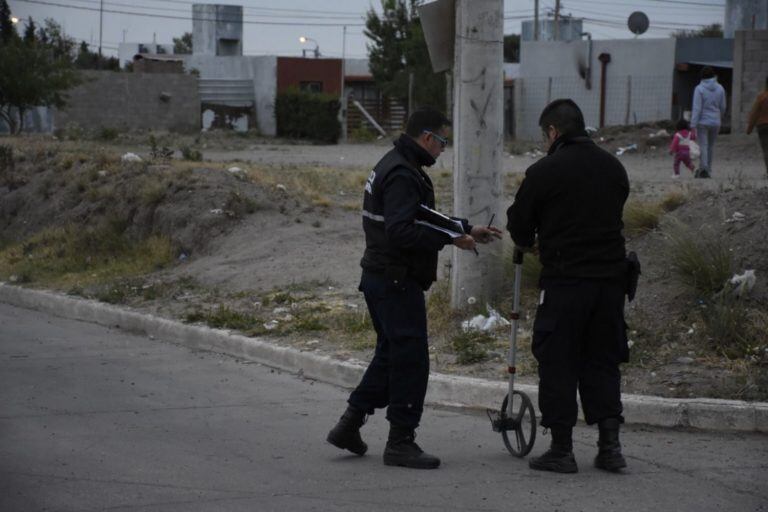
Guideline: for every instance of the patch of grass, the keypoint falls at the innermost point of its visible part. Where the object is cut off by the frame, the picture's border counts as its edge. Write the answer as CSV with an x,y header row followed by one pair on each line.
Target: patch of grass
x,y
153,192
191,154
74,255
107,134
672,201
641,217
223,317
701,261
471,346
735,330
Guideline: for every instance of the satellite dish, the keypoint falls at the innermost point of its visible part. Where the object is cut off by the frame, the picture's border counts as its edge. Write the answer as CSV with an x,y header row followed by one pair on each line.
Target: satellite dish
x,y
638,22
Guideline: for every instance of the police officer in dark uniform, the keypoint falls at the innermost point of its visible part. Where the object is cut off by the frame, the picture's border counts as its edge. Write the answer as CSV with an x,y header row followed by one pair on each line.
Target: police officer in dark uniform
x,y
572,201
399,264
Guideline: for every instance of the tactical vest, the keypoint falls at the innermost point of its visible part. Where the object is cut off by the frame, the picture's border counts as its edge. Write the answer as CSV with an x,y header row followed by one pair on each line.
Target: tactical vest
x,y
380,256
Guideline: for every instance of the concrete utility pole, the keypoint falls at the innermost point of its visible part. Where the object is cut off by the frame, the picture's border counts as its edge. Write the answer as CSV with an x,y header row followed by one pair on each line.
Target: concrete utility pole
x,y
478,133
557,20
536,20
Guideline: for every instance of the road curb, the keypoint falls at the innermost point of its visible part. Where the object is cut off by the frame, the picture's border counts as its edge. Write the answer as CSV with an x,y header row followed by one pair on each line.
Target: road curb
x,y
702,413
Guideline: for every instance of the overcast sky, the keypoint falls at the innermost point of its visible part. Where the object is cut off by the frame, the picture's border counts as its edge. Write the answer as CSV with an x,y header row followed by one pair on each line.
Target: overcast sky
x,y
276,30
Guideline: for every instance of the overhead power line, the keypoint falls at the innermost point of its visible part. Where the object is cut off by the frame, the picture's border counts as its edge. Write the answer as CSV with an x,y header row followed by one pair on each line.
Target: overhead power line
x,y
191,18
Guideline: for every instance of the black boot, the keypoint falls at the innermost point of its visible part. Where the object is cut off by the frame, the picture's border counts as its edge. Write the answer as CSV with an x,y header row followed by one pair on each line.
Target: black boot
x,y
401,450
559,458
609,456
346,433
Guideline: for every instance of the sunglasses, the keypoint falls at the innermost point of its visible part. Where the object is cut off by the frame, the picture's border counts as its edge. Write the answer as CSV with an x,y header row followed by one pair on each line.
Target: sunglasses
x,y
442,140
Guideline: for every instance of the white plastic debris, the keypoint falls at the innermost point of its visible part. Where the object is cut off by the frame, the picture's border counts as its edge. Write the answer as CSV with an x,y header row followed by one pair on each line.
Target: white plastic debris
x,y
234,170
130,157
630,343
102,173
280,311
471,300
280,186
736,217
485,323
632,148
590,130
743,282
272,324
217,211
660,133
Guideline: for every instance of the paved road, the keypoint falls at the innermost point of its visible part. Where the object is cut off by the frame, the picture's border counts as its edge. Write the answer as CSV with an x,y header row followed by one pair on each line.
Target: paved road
x,y
96,419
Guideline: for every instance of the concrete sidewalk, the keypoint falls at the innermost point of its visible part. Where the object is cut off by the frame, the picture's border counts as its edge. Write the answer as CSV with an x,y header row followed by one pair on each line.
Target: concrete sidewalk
x,y
702,413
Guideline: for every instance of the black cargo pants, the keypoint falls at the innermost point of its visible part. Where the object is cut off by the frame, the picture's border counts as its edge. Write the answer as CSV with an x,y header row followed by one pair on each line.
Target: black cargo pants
x,y
397,376
579,340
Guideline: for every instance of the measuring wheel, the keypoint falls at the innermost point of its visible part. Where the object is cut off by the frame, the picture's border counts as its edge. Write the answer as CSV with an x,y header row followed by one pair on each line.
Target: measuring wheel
x,y
515,420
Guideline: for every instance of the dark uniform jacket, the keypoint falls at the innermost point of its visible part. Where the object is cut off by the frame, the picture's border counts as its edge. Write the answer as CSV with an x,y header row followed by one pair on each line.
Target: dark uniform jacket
x,y
573,199
394,245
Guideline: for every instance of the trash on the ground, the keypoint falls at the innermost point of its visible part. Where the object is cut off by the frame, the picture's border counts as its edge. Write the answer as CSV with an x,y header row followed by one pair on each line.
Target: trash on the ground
x,y
685,360
351,305
130,157
660,133
690,331
234,170
590,130
217,211
312,342
534,153
471,300
183,256
632,148
630,343
743,282
485,323
280,186
102,173
736,217
271,325
280,310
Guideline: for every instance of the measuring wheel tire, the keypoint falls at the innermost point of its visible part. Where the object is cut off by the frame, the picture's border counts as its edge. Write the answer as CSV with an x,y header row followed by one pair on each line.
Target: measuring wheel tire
x,y
519,440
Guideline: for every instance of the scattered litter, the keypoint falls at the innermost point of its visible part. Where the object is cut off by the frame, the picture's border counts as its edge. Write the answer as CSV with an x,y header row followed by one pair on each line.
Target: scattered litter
x,y
183,256
312,342
660,133
471,300
351,306
257,304
685,360
131,157
287,318
632,148
590,130
630,343
483,323
234,170
14,278
743,282
102,173
280,311
272,324
280,186
736,217
217,211
534,154
341,158
690,331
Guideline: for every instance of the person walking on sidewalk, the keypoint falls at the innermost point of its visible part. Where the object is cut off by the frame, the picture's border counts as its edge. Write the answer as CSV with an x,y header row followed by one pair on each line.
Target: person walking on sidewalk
x,y
571,201
706,116
399,264
758,117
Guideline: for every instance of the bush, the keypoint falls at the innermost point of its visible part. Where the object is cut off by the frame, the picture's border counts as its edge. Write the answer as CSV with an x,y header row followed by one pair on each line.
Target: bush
x,y
471,346
640,217
700,261
733,329
306,115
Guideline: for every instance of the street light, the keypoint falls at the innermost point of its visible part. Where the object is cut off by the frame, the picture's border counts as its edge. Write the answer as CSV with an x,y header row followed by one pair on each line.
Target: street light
x,y
14,20
304,39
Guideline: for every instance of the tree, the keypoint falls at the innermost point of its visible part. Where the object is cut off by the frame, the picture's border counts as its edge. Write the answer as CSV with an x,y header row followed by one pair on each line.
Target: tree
x,y
512,48
34,75
30,32
183,44
397,50
86,59
713,30
7,29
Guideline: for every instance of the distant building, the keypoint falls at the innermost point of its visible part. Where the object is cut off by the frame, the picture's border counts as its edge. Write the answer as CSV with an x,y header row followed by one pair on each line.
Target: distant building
x,y
570,29
745,15
127,51
217,29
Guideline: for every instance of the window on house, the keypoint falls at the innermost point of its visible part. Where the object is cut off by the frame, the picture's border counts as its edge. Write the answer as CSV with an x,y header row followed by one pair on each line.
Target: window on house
x,y
311,86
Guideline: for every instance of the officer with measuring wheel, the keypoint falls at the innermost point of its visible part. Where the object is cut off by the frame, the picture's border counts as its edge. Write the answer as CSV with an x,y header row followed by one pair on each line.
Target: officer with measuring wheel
x,y
399,264
571,202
